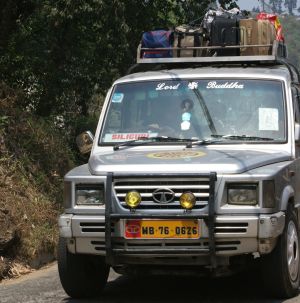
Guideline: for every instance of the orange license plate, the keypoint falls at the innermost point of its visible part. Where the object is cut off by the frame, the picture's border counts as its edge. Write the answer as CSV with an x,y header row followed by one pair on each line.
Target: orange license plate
x,y
162,229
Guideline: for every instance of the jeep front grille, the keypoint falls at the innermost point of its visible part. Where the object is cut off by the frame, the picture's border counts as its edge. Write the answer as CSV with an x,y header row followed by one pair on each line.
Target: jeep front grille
x,y
146,186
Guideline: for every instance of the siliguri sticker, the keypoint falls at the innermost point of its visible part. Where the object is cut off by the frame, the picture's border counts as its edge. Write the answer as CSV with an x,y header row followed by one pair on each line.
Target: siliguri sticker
x,y
122,137
175,155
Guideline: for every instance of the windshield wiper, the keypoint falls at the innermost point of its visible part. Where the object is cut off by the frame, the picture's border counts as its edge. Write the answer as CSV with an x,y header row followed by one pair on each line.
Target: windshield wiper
x,y
206,112
148,140
202,142
242,137
223,138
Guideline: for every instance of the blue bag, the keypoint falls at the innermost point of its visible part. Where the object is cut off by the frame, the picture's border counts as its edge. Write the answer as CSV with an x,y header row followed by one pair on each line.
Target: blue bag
x,y
157,39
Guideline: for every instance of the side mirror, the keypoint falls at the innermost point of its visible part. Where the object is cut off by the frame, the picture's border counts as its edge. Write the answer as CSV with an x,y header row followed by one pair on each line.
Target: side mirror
x,y
297,133
84,142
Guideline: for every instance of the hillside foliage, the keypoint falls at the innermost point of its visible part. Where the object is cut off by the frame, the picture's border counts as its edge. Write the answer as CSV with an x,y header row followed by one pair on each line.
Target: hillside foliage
x,y
292,38
33,161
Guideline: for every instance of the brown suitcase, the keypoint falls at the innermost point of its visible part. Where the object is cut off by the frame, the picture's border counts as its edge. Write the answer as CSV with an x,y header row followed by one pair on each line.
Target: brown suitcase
x,y
256,32
249,36
266,35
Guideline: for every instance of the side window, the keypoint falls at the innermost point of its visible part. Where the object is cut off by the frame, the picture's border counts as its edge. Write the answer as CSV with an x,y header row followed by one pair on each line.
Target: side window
x,y
114,122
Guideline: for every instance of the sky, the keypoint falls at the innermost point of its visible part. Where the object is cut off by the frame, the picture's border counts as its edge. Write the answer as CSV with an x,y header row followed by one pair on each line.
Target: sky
x,y
248,4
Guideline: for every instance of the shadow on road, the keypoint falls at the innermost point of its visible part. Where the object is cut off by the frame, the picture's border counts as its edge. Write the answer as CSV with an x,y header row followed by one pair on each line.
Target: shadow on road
x,y
178,289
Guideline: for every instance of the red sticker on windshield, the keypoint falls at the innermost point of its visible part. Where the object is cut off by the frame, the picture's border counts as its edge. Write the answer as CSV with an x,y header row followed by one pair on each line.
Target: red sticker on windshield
x,y
119,137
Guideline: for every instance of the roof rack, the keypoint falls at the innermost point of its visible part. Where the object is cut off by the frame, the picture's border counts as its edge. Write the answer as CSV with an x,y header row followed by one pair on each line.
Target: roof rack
x,y
275,51
277,54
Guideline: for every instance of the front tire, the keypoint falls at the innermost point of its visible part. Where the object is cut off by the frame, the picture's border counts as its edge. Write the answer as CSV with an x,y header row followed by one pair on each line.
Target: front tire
x,y
280,270
81,276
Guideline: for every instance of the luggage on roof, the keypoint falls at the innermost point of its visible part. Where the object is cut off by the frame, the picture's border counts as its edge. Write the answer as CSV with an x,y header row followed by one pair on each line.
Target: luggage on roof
x,y
188,36
225,32
256,32
157,44
221,34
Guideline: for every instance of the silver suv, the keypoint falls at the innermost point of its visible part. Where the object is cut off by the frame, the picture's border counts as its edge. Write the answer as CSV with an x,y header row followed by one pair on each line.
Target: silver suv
x,y
194,168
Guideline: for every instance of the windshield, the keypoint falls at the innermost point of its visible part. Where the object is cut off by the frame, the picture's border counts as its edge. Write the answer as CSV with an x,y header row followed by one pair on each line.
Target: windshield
x,y
252,110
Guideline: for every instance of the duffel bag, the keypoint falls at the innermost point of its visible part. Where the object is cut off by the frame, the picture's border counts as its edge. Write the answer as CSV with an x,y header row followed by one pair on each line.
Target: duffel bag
x,y
157,39
186,36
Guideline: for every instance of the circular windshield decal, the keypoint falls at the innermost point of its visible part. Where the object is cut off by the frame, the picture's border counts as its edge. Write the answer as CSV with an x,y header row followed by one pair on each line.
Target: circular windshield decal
x,y
176,155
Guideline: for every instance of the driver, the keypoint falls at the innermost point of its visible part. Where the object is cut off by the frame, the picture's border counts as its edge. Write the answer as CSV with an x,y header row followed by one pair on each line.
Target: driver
x,y
177,119
167,119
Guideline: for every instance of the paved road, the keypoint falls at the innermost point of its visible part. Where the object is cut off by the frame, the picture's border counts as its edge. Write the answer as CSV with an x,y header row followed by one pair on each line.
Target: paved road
x,y
43,286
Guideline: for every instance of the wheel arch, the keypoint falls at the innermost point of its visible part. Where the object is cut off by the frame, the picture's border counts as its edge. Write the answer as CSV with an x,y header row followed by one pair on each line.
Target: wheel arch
x,y
287,197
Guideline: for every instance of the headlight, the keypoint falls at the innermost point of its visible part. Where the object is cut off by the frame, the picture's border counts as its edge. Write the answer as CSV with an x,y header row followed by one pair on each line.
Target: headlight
x,y
242,194
89,194
67,194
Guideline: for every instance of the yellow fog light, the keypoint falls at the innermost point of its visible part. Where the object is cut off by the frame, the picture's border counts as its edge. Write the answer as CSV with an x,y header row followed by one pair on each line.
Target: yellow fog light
x,y
187,200
133,199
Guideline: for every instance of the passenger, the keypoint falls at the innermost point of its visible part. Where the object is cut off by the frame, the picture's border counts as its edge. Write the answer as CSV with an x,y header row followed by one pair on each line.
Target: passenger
x,y
190,122
187,108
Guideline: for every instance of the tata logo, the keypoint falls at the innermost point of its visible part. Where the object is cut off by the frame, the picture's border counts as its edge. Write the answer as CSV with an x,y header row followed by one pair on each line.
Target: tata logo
x,y
132,228
163,195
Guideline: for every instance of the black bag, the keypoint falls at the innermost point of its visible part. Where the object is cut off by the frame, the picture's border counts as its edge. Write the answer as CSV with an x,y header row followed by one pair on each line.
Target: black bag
x,y
225,32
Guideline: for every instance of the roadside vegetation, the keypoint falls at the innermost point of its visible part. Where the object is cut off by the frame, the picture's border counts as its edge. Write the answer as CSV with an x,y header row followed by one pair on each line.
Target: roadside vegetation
x,y
33,160
57,60
291,25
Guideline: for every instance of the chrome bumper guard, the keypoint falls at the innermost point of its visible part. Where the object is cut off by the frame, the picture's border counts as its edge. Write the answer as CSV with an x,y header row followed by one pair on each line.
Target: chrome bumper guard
x,y
113,253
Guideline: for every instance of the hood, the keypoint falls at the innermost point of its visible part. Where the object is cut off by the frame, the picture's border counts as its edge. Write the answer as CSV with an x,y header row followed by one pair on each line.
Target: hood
x,y
202,160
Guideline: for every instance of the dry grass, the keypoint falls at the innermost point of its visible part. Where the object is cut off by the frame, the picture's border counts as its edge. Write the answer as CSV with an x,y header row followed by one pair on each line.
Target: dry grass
x,y
33,160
